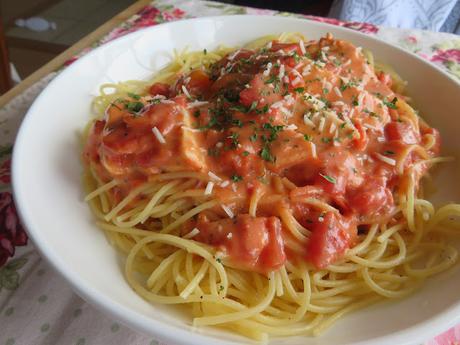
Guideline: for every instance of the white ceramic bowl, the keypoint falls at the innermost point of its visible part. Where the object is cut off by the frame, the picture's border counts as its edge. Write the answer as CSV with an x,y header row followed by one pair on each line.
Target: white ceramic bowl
x,y
48,193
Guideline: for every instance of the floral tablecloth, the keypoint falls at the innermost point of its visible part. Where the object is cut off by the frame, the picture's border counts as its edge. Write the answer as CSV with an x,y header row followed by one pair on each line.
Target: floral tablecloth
x,y
36,305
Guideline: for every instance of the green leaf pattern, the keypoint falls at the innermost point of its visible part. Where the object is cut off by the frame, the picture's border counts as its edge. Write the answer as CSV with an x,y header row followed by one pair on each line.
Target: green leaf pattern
x,y
9,276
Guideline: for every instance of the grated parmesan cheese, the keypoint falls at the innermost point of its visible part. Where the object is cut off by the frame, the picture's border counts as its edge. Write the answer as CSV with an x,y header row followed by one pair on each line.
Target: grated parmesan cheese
x,y
307,121
302,47
167,101
281,72
158,135
313,150
228,211
277,104
370,127
297,73
214,176
197,104
268,69
361,98
337,91
306,70
194,130
296,81
191,234
332,127
224,184
185,91
231,57
285,111
321,124
209,188
385,159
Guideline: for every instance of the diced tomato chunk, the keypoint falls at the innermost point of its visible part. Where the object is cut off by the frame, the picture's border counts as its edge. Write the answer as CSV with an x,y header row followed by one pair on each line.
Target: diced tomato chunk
x,y
159,89
370,197
402,131
252,243
199,82
273,255
329,240
338,171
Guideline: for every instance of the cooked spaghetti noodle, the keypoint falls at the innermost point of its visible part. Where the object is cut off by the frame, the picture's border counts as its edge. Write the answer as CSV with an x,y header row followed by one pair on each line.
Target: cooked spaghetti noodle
x,y
273,188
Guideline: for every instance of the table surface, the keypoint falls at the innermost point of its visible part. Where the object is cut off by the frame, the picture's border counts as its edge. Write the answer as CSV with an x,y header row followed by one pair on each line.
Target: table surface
x,y
36,305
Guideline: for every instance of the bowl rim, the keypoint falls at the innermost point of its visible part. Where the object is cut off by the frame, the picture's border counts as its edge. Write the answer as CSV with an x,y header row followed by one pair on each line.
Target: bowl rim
x,y
172,334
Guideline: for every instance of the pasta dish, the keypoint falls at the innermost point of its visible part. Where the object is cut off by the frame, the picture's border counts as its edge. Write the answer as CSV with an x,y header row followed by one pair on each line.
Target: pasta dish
x,y
272,189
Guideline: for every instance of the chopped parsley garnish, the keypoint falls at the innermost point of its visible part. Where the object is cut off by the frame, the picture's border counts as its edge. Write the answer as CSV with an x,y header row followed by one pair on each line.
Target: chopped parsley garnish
x,y
328,178
134,107
245,153
296,56
355,101
197,113
272,80
253,106
236,178
392,104
234,138
253,137
263,110
134,96
274,130
326,140
325,91
307,137
240,108
266,155
238,123
299,89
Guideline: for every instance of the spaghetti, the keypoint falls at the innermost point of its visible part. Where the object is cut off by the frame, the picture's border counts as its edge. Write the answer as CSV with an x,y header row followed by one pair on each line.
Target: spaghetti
x,y
273,188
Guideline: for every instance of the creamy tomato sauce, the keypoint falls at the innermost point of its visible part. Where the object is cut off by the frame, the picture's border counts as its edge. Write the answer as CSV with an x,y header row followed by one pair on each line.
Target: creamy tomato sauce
x,y
290,125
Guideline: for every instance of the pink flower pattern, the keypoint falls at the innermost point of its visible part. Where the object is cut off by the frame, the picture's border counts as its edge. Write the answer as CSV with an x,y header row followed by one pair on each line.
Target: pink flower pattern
x,y
362,27
5,174
12,233
450,55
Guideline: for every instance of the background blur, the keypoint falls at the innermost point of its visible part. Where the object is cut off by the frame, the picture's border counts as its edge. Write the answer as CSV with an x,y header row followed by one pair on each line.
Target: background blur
x,y
33,32
58,24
